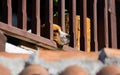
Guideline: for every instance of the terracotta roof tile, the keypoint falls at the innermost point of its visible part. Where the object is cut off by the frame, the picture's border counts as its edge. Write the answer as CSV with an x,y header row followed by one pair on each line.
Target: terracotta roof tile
x,y
55,57
34,69
74,70
109,70
4,70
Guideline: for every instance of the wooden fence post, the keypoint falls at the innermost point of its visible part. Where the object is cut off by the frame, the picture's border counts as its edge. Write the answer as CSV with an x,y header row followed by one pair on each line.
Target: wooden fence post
x,y
3,40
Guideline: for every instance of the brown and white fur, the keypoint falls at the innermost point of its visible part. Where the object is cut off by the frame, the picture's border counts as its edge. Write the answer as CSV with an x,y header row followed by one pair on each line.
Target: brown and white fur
x,y
60,37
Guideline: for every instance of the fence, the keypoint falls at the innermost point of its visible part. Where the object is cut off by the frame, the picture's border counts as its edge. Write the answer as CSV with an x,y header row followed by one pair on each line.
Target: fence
x,y
17,16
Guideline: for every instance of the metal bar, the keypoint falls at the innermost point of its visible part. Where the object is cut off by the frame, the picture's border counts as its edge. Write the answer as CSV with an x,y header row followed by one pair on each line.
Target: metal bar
x,y
61,14
49,19
38,16
85,23
9,6
113,24
72,22
95,24
22,15
106,24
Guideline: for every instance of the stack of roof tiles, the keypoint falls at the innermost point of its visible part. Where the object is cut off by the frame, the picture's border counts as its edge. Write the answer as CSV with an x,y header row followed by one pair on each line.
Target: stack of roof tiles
x,y
43,62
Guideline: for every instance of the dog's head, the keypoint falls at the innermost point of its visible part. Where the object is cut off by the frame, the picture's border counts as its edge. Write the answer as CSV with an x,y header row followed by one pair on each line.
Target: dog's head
x,y
60,37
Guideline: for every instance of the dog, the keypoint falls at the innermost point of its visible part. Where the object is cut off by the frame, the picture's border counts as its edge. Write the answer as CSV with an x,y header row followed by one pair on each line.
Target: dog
x,y
60,37
67,26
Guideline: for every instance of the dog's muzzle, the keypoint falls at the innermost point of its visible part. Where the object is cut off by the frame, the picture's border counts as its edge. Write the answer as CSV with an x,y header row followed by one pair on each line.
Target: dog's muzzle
x,y
64,37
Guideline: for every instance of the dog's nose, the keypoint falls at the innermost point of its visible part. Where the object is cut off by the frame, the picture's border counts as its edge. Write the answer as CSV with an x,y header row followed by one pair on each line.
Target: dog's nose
x,y
68,36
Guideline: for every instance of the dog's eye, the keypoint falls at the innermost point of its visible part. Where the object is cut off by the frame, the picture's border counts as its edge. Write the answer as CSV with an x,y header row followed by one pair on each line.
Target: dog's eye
x,y
55,30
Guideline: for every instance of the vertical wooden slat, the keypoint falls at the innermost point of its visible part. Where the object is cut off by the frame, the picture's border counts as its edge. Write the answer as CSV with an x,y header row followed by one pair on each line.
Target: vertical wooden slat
x,y
22,15
49,19
113,24
61,14
72,22
85,23
88,34
36,17
9,6
95,24
106,23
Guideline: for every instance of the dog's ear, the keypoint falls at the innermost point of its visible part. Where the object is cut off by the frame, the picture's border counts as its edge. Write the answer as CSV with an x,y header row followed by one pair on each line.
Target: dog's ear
x,y
57,39
56,27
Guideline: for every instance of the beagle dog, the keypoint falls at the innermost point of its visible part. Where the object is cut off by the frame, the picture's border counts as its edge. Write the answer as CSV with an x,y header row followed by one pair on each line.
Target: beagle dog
x,y
60,37
67,27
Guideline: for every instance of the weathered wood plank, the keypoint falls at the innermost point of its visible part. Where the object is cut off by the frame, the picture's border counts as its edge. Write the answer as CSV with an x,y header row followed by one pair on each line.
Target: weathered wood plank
x,y
88,34
3,40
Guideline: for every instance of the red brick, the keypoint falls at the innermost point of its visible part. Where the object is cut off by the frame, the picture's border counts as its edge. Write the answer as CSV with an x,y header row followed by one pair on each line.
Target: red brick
x,y
4,70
